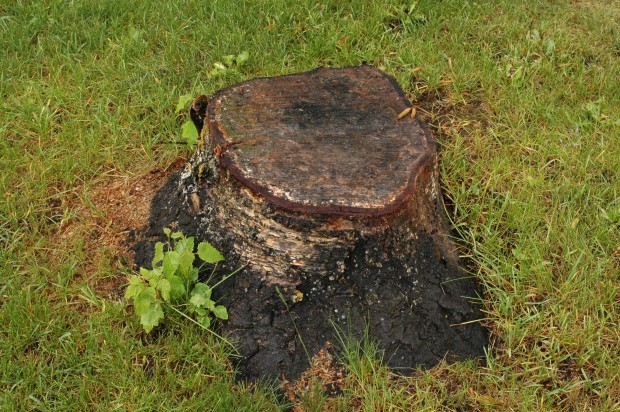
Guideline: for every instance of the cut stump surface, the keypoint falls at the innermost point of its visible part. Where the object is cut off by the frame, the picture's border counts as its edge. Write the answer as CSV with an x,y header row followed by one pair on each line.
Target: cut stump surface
x,y
327,141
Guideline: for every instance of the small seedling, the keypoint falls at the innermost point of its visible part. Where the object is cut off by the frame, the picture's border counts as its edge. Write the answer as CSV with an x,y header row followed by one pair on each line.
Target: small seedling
x,y
173,284
229,62
188,130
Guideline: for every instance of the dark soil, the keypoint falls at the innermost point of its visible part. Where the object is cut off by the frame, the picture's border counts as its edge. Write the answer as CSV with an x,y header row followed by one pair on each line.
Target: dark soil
x,y
420,309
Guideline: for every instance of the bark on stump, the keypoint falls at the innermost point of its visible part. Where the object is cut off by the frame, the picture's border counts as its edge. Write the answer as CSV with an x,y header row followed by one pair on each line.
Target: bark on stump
x,y
317,185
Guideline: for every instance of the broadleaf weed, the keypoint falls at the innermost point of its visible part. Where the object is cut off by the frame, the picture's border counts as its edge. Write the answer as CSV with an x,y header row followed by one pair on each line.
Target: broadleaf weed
x,y
172,284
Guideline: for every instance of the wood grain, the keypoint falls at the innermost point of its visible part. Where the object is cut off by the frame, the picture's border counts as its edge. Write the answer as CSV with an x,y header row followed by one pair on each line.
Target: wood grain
x,y
327,141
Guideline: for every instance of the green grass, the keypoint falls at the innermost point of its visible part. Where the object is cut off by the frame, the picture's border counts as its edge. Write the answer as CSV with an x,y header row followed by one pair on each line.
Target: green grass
x,y
524,98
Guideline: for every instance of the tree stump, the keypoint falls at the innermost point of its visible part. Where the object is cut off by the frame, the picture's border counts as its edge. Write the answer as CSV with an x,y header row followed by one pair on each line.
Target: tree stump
x,y
304,164
332,200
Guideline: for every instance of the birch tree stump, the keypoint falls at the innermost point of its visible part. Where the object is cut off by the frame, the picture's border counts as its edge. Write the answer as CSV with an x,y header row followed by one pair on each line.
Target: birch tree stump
x,y
305,164
319,185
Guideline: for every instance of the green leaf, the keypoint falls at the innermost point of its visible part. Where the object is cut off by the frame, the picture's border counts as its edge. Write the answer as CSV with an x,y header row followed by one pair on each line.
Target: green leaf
x,y
167,231
152,276
183,102
198,311
159,253
187,243
193,275
177,287
229,60
219,66
189,133
204,320
148,308
214,73
143,302
186,261
146,274
220,312
199,301
136,286
202,289
549,46
208,253
164,288
134,34
177,235
593,109
171,263
151,317
242,57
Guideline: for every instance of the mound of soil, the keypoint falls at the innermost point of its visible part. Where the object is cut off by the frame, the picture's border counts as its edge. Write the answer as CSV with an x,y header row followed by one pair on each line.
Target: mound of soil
x,y
419,309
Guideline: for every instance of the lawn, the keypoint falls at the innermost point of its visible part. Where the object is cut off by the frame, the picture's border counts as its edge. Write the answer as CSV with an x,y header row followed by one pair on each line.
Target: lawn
x,y
523,97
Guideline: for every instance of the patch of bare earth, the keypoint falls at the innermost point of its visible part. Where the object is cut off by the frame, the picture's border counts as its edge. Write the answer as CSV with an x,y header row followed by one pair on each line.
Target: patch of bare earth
x,y
447,114
103,220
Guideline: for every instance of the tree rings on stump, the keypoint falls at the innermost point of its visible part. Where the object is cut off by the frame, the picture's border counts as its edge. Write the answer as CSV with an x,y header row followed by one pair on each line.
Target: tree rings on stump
x,y
326,186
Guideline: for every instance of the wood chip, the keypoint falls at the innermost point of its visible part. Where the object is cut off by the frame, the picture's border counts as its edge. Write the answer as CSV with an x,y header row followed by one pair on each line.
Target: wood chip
x,y
404,113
